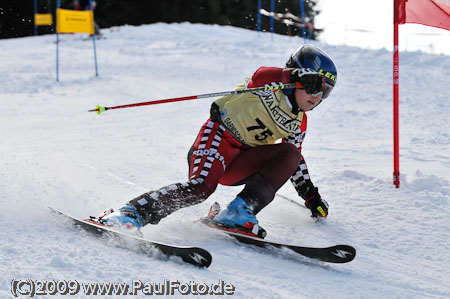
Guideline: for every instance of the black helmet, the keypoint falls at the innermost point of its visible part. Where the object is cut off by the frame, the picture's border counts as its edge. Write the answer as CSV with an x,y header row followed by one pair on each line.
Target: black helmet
x,y
309,56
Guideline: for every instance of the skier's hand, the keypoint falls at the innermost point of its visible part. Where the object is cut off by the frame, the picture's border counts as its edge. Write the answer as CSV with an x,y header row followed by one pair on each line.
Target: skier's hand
x,y
313,200
318,206
311,80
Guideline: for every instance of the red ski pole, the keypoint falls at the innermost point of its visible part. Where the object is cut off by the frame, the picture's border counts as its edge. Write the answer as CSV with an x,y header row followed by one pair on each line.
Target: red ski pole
x,y
100,109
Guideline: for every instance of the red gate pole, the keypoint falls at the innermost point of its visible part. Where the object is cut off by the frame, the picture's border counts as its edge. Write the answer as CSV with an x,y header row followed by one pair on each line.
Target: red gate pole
x,y
396,71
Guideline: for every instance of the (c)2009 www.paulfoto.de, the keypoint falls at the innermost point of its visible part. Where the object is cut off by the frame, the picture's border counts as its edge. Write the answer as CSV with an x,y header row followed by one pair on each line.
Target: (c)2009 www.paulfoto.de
x,y
33,287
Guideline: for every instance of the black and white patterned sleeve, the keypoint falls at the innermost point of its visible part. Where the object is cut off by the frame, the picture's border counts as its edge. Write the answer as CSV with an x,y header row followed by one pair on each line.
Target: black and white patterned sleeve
x,y
301,174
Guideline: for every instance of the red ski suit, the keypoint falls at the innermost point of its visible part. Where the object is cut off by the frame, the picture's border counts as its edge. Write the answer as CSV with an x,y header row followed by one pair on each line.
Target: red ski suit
x,y
224,153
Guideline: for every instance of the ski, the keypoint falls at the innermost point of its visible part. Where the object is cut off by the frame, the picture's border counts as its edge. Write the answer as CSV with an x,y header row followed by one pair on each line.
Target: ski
x,y
333,254
193,255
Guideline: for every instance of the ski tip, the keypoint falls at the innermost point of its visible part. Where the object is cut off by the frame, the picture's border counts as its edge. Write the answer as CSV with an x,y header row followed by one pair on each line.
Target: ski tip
x,y
199,257
343,253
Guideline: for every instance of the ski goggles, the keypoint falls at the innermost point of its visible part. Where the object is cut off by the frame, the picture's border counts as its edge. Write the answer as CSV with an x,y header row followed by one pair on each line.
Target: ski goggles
x,y
325,92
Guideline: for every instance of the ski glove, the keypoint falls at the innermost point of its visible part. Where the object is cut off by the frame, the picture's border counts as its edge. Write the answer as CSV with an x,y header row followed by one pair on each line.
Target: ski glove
x,y
313,200
311,80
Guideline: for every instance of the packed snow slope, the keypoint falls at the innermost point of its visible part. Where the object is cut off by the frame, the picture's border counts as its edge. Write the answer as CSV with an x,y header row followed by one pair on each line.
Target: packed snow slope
x,y
54,153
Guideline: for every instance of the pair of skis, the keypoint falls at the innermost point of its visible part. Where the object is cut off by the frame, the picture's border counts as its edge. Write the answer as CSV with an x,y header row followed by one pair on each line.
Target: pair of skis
x,y
198,256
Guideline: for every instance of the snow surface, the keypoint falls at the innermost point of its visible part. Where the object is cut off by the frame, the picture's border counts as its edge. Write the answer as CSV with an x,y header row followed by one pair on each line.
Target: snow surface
x,y
54,153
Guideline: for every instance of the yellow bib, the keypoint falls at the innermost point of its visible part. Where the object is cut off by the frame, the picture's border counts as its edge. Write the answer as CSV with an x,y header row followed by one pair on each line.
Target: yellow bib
x,y
258,118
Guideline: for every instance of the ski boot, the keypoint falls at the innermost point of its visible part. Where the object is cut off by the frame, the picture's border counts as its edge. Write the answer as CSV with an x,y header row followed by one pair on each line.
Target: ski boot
x,y
127,219
238,217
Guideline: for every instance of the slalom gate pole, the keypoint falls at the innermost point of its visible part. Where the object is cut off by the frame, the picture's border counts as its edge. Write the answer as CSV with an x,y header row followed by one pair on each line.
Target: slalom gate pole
x,y
396,82
100,109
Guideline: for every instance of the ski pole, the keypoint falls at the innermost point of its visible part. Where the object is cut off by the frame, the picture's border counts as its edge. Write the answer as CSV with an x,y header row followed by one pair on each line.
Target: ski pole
x,y
291,200
100,109
316,219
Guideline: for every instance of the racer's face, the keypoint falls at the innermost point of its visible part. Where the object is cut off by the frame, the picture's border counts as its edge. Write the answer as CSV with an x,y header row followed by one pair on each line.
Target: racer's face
x,y
306,101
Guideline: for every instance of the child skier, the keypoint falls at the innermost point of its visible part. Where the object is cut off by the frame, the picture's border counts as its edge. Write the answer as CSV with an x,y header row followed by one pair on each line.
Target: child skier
x,y
236,146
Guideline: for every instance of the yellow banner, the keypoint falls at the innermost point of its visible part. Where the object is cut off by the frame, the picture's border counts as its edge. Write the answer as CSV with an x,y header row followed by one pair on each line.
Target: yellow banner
x,y
43,19
71,21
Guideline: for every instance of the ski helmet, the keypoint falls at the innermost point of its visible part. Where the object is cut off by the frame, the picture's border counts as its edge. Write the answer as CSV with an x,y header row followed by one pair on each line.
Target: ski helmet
x,y
309,56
